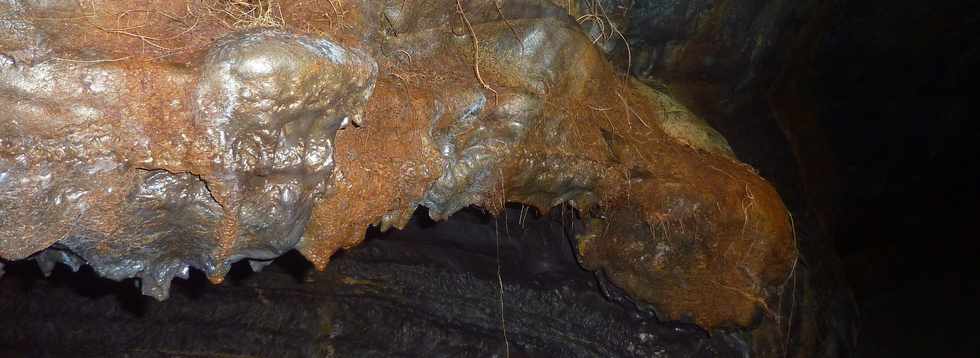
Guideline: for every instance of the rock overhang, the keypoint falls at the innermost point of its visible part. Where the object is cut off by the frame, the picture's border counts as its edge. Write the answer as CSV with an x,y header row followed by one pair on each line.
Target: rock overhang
x,y
143,166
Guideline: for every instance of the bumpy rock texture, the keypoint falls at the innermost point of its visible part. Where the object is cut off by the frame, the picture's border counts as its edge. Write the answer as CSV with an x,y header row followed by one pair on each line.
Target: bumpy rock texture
x,y
145,138
430,290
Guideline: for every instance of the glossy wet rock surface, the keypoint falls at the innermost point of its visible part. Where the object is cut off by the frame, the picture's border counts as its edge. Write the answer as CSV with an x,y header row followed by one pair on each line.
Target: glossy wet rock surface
x,y
147,139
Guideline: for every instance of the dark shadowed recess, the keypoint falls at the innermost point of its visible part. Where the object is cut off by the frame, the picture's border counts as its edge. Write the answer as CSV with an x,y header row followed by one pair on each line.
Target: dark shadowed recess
x,y
890,83
895,84
861,113
430,290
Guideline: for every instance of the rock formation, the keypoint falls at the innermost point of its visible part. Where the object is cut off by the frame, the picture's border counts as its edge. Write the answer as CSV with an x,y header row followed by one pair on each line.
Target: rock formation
x,y
145,138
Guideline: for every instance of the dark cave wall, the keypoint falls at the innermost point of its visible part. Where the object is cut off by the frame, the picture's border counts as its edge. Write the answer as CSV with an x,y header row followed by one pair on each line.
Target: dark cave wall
x,y
726,60
746,67
893,83
858,111
850,93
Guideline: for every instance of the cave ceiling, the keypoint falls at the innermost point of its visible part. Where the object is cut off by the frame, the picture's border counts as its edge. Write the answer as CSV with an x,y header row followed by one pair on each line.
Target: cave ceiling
x,y
149,138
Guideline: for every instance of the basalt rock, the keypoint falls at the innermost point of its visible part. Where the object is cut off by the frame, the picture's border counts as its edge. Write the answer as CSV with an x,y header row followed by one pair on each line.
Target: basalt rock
x,y
146,138
429,290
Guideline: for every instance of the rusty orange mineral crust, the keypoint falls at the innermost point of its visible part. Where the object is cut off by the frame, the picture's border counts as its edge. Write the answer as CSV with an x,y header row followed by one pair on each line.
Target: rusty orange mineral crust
x,y
146,150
